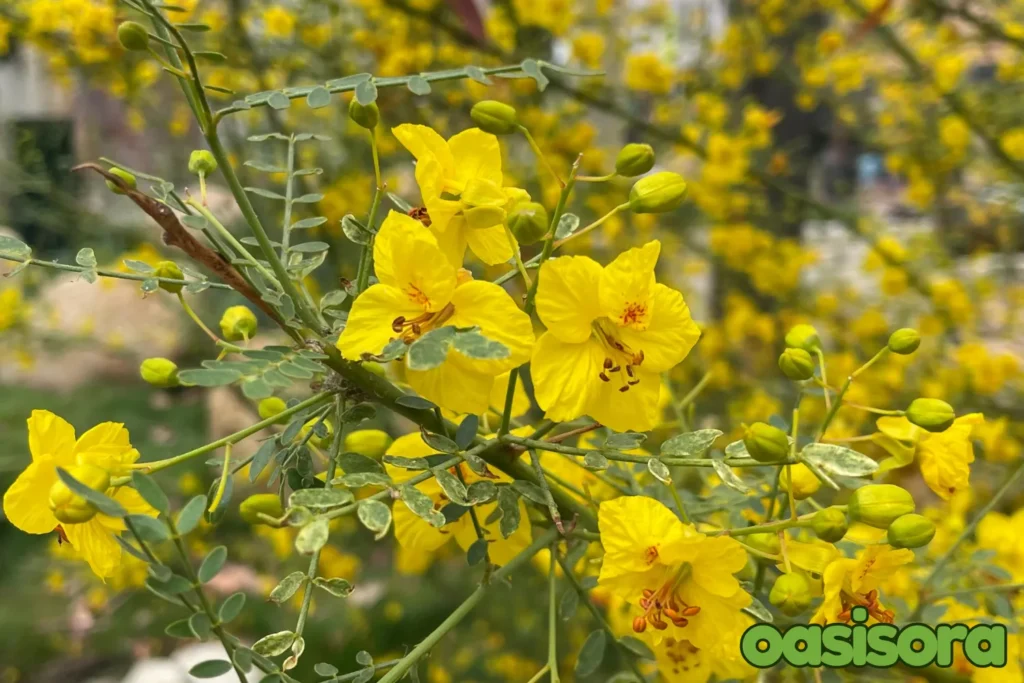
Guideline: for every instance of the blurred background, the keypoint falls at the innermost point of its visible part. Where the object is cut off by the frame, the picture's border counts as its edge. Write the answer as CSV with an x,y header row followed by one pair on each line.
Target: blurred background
x,y
857,164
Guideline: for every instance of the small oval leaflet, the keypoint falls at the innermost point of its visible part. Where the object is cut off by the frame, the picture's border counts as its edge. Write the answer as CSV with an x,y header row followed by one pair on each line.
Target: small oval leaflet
x,y
287,587
320,499
211,668
592,653
375,516
659,470
839,460
313,536
690,444
728,477
318,97
275,644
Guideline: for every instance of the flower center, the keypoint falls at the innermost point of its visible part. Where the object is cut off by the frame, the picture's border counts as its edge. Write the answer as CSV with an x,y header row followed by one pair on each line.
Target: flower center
x,y
683,655
410,329
620,359
666,603
869,601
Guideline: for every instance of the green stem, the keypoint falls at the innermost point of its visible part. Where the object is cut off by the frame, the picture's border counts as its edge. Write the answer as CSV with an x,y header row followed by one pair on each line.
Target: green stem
x,y
553,618
520,266
402,668
540,155
224,474
824,376
596,224
103,272
366,256
679,502
226,235
843,389
286,221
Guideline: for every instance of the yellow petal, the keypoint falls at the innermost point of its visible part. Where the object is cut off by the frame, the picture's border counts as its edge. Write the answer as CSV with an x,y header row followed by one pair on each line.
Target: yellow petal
x,y
455,385
899,428
670,334
25,502
452,241
490,244
564,376
719,558
486,305
480,192
500,549
415,533
406,256
131,501
627,285
566,297
368,328
430,177
945,475
635,409
635,532
50,436
476,155
481,218
424,143
96,545
106,445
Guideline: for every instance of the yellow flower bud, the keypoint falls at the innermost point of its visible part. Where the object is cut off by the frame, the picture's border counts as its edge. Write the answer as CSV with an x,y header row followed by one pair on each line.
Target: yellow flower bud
x,y
911,531
267,503
70,508
803,337
269,407
804,483
364,115
124,175
159,372
528,222
133,36
796,364
318,441
931,414
766,443
372,443
658,193
634,159
238,322
879,505
765,542
201,162
169,269
830,524
496,118
904,341
791,594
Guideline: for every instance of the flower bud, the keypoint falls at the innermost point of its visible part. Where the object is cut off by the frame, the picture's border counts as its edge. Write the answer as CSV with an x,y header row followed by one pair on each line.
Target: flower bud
x,y
804,483
657,193
804,337
268,504
169,269
879,505
159,372
766,443
269,407
911,531
767,542
133,36
372,443
238,322
124,175
315,439
70,508
528,222
634,159
791,594
796,364
904,341
830,524
364,115
496,118
201,162
931,414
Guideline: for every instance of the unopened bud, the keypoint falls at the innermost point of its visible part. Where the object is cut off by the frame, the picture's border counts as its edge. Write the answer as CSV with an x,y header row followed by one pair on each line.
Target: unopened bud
x,y
238,322
931,414
270,407
766,542
658,193
766,443
365,115
170,270
124,175
911,531
804,482
830,524
133,36
879,505
634,159
373,443
202,162
160,372
804,337
796,364
496,118
904,341
70,508
528,222
268,504
791,594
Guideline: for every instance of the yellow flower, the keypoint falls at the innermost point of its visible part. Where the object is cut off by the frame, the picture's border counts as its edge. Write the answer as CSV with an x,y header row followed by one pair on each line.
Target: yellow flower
x,y
611,332
278,22
944,457
414,533
461,184
680,661
420,291
52,443
681,580
851,582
